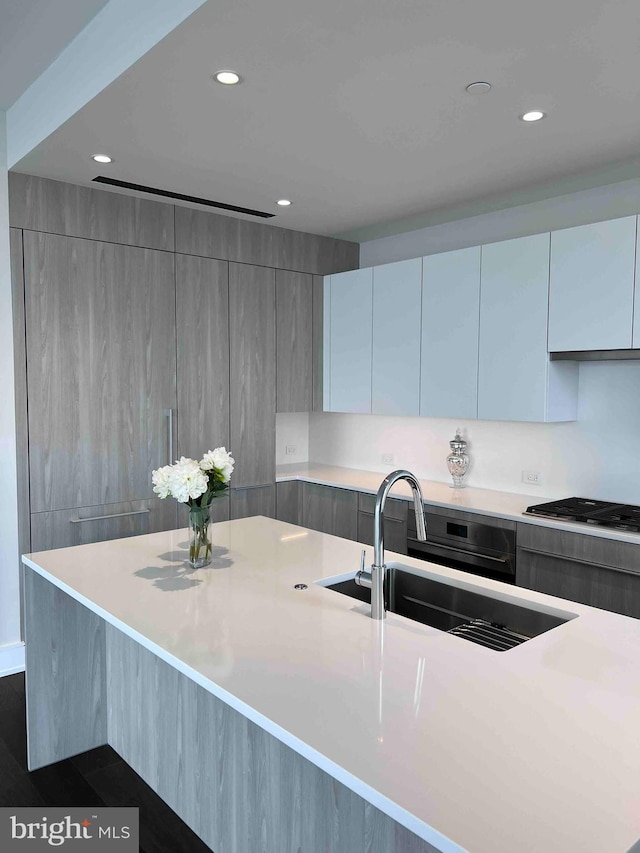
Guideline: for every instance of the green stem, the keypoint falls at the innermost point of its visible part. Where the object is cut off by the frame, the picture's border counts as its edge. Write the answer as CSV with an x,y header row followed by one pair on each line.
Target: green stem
x,y
200,546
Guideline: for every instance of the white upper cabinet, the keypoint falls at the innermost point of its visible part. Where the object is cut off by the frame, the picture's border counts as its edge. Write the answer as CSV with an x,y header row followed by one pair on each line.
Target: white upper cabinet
x,y
450,321
636,301
592,282
348,319
396,338
516,379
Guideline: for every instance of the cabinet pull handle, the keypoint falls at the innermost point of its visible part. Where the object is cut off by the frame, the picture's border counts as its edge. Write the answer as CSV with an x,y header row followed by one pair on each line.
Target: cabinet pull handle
x,y
248,488
386,518
170,417
113,515
577,560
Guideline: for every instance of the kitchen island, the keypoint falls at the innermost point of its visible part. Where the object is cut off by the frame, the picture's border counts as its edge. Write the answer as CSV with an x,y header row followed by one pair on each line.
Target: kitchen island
x,y
273,718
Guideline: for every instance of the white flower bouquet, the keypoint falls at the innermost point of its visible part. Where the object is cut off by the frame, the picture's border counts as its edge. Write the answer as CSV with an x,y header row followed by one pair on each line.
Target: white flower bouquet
x,y
196,484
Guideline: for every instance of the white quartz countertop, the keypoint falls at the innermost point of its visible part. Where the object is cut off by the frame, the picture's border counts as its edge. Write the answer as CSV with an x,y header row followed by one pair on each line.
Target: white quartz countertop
x,y
510,505
534,749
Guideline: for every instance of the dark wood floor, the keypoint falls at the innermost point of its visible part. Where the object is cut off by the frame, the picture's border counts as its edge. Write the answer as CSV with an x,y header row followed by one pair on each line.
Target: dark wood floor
x,y
96,778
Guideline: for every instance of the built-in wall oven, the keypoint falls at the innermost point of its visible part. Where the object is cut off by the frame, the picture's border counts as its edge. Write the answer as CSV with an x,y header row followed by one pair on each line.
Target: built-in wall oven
x,y
482,545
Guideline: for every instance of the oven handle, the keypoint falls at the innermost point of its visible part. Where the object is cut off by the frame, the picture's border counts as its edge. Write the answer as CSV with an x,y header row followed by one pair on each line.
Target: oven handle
x,y
421,546
424,547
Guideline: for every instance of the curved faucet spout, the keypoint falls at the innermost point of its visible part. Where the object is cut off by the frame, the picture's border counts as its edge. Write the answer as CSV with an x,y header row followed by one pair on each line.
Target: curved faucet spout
x,y
375,578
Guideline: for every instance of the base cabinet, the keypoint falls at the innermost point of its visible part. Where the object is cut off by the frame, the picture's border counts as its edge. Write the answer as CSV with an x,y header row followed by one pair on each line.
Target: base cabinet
x,y
395,523
257,500
598,572
288,501
330,510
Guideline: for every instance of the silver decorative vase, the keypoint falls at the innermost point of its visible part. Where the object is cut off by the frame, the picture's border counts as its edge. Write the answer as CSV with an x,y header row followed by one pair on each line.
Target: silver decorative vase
x,y
457,460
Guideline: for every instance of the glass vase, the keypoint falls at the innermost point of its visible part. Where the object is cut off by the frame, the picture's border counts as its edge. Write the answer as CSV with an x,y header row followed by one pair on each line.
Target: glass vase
x,y
199,541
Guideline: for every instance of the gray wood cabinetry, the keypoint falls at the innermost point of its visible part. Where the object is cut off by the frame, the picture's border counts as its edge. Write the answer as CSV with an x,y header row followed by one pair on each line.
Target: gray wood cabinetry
x,y
258,500
119,361
227,238
288,495
330,510
395,522
66,527
20,379
294,336
40,204
102,367
252,335
202,330
65,674
317,344
233,783
599,572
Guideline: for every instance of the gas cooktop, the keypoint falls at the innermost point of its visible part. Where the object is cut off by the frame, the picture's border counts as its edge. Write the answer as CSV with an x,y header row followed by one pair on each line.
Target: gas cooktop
x,y
598,513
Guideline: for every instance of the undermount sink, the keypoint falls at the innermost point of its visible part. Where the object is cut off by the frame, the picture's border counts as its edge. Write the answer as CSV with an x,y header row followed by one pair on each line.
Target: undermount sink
x,y
492,622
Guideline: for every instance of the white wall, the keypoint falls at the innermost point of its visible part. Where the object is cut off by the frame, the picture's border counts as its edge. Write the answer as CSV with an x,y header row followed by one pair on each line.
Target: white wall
x,y
10,653
594,205
596,456
292,430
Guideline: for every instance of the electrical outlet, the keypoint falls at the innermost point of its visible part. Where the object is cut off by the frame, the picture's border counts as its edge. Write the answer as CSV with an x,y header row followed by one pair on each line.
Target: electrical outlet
x,y
387,458
533,478
290,450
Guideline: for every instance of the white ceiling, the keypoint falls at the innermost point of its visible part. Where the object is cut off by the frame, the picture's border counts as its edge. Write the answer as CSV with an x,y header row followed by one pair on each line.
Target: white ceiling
x,y
357,110
32,34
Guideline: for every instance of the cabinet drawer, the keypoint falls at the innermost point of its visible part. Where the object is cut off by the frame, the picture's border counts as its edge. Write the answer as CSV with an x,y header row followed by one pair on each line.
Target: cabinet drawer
x,y
288,501
580,546
253,500
330,510
395,532
393,508
66,527
598,586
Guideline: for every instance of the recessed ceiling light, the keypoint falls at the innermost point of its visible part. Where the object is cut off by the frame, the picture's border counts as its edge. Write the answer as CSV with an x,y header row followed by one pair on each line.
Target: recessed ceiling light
x,y
479,88
228,78
533,115
102,158
284,202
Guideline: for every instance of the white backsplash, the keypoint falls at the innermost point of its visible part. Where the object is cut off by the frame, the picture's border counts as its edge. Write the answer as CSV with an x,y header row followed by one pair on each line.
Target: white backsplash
x,y
596,456
292,430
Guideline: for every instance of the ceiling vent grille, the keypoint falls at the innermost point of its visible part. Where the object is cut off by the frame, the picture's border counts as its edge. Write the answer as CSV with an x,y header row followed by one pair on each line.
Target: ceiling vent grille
x,y
192,199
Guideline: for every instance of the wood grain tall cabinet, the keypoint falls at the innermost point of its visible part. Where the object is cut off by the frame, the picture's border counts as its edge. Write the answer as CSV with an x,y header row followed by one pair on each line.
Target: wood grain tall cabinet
x,y
252,334
101,385
145,331
202,324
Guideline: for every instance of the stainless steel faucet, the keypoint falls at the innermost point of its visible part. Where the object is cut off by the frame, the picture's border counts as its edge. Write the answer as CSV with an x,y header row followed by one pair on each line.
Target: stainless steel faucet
x,y
374,578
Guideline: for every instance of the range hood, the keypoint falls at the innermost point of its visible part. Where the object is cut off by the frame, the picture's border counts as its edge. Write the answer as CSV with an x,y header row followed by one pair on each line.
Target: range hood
x,y
597,355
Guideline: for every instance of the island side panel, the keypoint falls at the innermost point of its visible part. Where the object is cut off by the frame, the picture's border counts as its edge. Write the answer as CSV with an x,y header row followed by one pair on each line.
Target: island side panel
x,y
65,674
238,787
